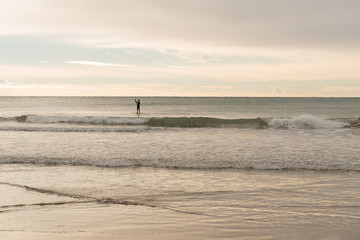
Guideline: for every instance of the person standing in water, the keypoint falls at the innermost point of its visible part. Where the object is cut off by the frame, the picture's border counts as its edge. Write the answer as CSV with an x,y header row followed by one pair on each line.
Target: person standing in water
x,y
137,106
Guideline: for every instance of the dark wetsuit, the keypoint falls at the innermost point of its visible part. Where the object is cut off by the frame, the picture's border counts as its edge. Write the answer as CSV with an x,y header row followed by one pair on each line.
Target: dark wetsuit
x,y
137,106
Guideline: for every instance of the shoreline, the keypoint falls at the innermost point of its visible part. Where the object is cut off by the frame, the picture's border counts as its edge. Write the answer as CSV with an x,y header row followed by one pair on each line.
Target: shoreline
x,y
88,203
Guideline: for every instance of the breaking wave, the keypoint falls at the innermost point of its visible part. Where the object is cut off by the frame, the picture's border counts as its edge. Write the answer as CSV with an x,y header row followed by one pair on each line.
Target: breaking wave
x,y
106,123
180,122
306,122
96,120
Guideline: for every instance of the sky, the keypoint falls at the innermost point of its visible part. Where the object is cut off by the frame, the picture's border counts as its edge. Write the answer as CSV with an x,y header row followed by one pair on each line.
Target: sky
x,y
246,48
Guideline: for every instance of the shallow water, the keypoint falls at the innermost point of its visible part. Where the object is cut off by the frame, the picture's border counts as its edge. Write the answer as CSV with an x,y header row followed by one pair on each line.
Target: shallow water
x,y
188,148
186,168
208,204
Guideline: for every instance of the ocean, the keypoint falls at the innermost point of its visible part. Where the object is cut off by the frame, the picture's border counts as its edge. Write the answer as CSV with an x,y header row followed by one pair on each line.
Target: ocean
x,y
184,168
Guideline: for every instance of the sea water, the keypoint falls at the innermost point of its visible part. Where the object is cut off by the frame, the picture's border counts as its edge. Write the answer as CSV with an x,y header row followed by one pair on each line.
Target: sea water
x,y
225,168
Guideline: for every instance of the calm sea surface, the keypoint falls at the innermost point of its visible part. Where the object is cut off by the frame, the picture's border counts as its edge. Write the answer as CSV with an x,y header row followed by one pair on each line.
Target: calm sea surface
x,y
222,168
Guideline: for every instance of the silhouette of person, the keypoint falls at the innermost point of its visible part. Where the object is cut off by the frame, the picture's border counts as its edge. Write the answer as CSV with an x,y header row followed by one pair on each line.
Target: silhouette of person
x,y
137,106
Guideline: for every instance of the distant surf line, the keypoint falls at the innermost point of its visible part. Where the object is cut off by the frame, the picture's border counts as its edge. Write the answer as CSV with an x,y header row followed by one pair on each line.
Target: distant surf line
x,y
299,122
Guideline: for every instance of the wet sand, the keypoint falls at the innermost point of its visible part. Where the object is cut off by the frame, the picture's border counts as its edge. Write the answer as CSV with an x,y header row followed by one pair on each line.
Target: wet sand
x,y
41,202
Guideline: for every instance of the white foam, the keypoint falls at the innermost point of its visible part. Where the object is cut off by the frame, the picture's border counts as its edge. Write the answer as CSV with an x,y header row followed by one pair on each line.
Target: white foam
x,y
85,119
304,122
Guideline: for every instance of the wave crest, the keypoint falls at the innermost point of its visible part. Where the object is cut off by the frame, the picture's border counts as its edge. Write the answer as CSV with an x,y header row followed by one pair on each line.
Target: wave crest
x,y
96,120
181,122
300,122
306,122
197,122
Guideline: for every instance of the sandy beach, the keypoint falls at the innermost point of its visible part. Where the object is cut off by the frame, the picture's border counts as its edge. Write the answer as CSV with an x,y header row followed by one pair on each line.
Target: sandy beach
x,y
50,202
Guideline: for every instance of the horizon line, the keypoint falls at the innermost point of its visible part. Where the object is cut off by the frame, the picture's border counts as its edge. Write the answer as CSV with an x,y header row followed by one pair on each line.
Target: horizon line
x,y
132,96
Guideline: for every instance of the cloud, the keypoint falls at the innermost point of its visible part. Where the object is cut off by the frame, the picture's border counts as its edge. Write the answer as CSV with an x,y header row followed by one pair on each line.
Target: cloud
x,y
97,64
201,23
222,43
5,83
342,91
187,67
278,91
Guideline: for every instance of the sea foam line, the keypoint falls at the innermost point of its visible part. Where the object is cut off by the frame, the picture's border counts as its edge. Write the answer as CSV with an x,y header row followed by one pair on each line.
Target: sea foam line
x,y
299,122
306,122
105,200
250,164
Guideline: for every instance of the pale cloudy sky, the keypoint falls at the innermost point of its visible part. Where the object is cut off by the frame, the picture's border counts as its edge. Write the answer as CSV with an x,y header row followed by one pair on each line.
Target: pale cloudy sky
x,y
180,47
